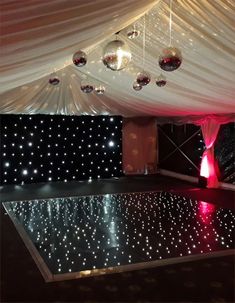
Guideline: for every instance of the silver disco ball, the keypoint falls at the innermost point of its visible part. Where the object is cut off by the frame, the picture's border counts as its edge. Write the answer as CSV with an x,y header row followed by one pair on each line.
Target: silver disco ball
x,y
100,90
161,81
137,86
54,80
116,55
80,58
170,59
86,86
143,78
132,33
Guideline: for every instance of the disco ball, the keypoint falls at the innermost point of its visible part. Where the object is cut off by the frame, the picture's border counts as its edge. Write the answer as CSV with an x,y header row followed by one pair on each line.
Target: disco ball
x,y
80,58
116,55
54,81
86,87
143,78
100,90
170,59
161,81
132,33
137,86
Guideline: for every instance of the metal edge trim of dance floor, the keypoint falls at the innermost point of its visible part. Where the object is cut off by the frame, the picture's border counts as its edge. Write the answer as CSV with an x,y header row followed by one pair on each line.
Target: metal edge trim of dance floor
x,y
49,277
97,195
46,273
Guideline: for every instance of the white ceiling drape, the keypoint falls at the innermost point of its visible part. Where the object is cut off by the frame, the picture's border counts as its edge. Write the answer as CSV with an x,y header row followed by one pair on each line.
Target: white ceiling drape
x,y
40,37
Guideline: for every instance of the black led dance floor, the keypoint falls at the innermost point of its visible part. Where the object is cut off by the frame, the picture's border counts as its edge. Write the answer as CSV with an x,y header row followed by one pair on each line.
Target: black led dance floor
x,y
80,236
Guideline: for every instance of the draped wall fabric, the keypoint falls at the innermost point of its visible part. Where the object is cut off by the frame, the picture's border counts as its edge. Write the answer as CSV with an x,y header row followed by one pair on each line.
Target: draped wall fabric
x,y
139,147
210,129
197,120
39,37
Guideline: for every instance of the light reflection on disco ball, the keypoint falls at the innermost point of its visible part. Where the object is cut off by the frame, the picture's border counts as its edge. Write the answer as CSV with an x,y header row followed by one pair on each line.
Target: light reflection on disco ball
x,y
116,55
80,58
170,59
161,81
100,90
137,86
54,80
143,78
133,33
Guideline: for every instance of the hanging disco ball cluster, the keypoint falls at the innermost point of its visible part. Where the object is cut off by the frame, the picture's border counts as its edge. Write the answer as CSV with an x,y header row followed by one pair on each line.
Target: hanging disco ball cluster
x,y
117,56
88,87
143,78
169,60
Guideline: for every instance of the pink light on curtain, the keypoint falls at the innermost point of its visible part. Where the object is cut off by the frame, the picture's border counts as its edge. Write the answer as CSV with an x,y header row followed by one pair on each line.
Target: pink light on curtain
x,y
204,172
210,128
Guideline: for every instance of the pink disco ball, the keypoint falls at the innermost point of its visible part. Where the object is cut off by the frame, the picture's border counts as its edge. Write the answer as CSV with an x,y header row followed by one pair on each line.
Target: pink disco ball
x,y
80,58
87,88
170,59
137,86
143,78
161,81
54,81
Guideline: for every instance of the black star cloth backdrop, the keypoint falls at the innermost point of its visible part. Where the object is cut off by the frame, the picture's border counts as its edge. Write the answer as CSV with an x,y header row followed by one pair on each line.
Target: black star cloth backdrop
x,y
44,148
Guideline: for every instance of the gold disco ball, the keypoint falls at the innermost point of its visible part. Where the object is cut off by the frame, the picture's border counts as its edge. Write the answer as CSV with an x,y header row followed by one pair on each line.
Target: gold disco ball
x,y
116,55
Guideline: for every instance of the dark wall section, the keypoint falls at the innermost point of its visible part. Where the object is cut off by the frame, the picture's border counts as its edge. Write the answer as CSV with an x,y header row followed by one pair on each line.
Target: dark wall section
x,y
42,148
181,148
225,152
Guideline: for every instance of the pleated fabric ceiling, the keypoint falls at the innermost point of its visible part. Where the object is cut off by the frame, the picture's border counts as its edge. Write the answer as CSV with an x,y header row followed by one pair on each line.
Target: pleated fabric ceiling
x,y
40,38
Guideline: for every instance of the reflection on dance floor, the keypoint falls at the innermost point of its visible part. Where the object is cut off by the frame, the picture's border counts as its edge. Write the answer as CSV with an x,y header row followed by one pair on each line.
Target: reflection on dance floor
x,y
97,232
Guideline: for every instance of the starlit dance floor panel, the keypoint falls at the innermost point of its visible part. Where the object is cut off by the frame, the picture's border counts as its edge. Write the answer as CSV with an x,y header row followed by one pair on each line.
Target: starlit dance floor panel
x,y
89,235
